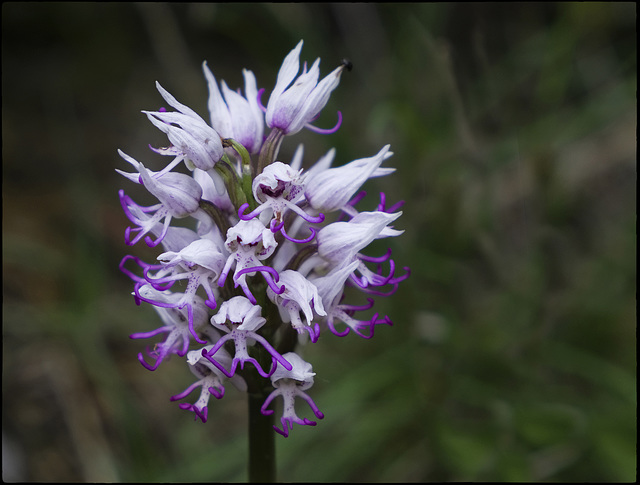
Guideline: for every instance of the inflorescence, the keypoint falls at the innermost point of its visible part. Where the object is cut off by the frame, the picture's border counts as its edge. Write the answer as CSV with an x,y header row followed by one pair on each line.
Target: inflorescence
x,y
273,246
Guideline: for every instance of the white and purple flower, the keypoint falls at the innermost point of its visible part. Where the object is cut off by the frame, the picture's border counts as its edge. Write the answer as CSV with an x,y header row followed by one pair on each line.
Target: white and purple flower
x,y
271,248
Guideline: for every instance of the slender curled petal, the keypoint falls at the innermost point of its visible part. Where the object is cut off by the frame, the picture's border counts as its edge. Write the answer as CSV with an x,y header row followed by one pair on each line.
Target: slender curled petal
x,y
189,300
199,263
210,379
382,206
294,104
291,384
371,278
176,327
331,189
235,116
146,218
363,328
146,267
331,288
300,295
352,213
180,194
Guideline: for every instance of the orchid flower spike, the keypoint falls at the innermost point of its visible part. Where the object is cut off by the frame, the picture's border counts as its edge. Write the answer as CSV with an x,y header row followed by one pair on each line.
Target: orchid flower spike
x,y
264,251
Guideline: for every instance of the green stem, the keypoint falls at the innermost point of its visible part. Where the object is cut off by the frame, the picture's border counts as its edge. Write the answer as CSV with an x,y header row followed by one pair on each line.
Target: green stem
x,y
262,446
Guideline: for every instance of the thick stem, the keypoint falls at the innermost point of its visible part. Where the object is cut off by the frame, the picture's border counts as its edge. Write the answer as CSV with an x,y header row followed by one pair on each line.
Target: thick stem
x,y
262,446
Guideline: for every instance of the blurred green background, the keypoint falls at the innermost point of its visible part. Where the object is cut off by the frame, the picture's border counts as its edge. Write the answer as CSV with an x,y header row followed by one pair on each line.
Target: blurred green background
x,y
513,351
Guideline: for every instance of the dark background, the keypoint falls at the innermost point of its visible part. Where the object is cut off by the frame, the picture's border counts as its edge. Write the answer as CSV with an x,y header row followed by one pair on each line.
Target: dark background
x,y
512,356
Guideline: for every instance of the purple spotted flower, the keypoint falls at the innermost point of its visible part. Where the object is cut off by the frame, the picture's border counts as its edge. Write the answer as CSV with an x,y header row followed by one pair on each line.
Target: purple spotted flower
x,y
279,188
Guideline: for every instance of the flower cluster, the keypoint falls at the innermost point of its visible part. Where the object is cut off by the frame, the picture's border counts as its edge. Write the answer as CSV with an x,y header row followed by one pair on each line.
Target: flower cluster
x,y
264,265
